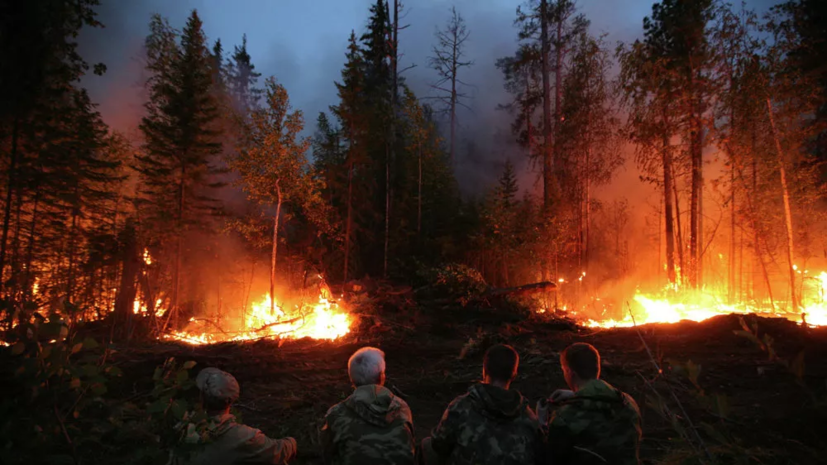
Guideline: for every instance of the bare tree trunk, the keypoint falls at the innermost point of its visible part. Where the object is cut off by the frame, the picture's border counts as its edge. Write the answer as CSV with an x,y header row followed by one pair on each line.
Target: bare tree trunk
x,y
275,251
548,162
127,290
558,87
349,221
454,71
678,229
176,276
732,293
7,207
30,247
419,196
70,281
668,188
15,254
387,211
788,217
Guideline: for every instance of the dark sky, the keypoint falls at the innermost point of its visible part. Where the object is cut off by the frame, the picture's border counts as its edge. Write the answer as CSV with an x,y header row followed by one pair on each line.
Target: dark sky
x,y
302,43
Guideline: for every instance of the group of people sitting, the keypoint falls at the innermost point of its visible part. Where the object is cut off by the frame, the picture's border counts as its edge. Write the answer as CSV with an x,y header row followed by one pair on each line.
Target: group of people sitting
x,y
592,423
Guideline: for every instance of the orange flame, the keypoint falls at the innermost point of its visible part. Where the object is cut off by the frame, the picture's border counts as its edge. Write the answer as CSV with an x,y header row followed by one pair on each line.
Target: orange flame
x,y
323,320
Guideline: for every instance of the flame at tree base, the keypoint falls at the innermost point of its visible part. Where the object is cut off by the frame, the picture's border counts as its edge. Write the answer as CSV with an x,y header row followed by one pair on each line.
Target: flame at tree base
x,y
673,305
323,320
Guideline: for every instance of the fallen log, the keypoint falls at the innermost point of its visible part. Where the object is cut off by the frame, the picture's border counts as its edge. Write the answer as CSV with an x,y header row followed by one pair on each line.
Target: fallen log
x,y
526,289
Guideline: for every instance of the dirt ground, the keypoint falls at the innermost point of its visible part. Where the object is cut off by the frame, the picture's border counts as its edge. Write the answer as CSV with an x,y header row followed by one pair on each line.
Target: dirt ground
x,y
772,415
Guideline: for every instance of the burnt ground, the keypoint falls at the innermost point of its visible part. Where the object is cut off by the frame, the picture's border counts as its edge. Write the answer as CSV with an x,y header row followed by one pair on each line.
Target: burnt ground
x,y
772,416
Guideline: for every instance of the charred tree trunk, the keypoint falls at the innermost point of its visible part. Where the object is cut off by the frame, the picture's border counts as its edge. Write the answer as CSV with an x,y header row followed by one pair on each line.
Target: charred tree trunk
x,y
275,250
788,217
678,229
7,207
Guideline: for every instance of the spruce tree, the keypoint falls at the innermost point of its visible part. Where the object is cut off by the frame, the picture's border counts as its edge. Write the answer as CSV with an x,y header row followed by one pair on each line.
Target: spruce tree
x,y
178,162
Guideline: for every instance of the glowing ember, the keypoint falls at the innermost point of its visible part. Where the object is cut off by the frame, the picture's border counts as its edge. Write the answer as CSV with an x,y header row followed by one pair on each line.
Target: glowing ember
x,y
147,258
323,320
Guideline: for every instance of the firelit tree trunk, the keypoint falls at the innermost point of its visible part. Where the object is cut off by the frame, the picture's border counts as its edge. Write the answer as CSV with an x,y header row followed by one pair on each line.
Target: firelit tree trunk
x,y
731,286
667,210
788,216
7,207
127,289
678,230
548,163
15,252
275,251
27,276
70,281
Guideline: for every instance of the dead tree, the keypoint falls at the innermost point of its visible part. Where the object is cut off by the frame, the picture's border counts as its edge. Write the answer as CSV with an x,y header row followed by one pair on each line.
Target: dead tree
x,y
447,61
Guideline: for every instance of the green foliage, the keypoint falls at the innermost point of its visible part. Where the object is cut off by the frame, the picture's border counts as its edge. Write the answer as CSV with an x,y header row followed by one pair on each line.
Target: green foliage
x,y
454,281
59,405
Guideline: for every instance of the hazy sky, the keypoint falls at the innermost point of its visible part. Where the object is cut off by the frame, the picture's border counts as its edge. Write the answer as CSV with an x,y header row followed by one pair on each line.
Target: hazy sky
x,y
302,43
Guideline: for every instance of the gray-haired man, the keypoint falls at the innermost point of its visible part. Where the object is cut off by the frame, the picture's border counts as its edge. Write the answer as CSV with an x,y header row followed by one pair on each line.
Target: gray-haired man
x,y
372,426
227,442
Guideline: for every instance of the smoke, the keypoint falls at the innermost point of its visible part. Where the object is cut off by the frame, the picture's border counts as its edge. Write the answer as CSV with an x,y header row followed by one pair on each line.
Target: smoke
x,y
303,45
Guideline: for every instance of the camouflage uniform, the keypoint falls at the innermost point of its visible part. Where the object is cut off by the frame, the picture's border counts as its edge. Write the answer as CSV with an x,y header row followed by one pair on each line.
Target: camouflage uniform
x,y
599,425
372,426
226,442
488,425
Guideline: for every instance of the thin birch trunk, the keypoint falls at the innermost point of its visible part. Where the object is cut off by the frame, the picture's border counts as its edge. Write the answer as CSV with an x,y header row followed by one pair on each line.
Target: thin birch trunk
x,y
275,250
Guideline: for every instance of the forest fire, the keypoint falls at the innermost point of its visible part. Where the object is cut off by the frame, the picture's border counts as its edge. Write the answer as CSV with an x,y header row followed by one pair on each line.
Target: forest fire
x,y
674,304
322,320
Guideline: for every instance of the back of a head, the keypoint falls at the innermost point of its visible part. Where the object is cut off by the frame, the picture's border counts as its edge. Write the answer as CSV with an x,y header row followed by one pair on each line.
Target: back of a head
x,y
583,360
367,366
501,362
219,389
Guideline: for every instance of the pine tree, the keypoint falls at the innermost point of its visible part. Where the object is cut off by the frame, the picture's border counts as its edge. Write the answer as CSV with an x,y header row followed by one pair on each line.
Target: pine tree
x,y
243,79
40,66
588,135
379,97
353,120
180,138
676,34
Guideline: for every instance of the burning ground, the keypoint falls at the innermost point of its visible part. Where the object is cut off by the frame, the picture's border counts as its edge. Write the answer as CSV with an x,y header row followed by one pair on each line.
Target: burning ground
x,y
758,395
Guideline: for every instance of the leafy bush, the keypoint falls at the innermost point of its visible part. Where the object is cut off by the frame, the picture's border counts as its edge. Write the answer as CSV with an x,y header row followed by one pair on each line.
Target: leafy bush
x,y
454,281
58,408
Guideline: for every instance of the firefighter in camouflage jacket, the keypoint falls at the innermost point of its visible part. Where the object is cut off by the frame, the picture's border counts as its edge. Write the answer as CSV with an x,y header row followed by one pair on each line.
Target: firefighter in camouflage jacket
x,y
372,426
594,423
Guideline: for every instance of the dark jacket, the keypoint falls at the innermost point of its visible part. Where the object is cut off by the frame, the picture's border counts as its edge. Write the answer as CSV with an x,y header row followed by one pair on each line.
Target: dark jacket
x,y
488,425
599,425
